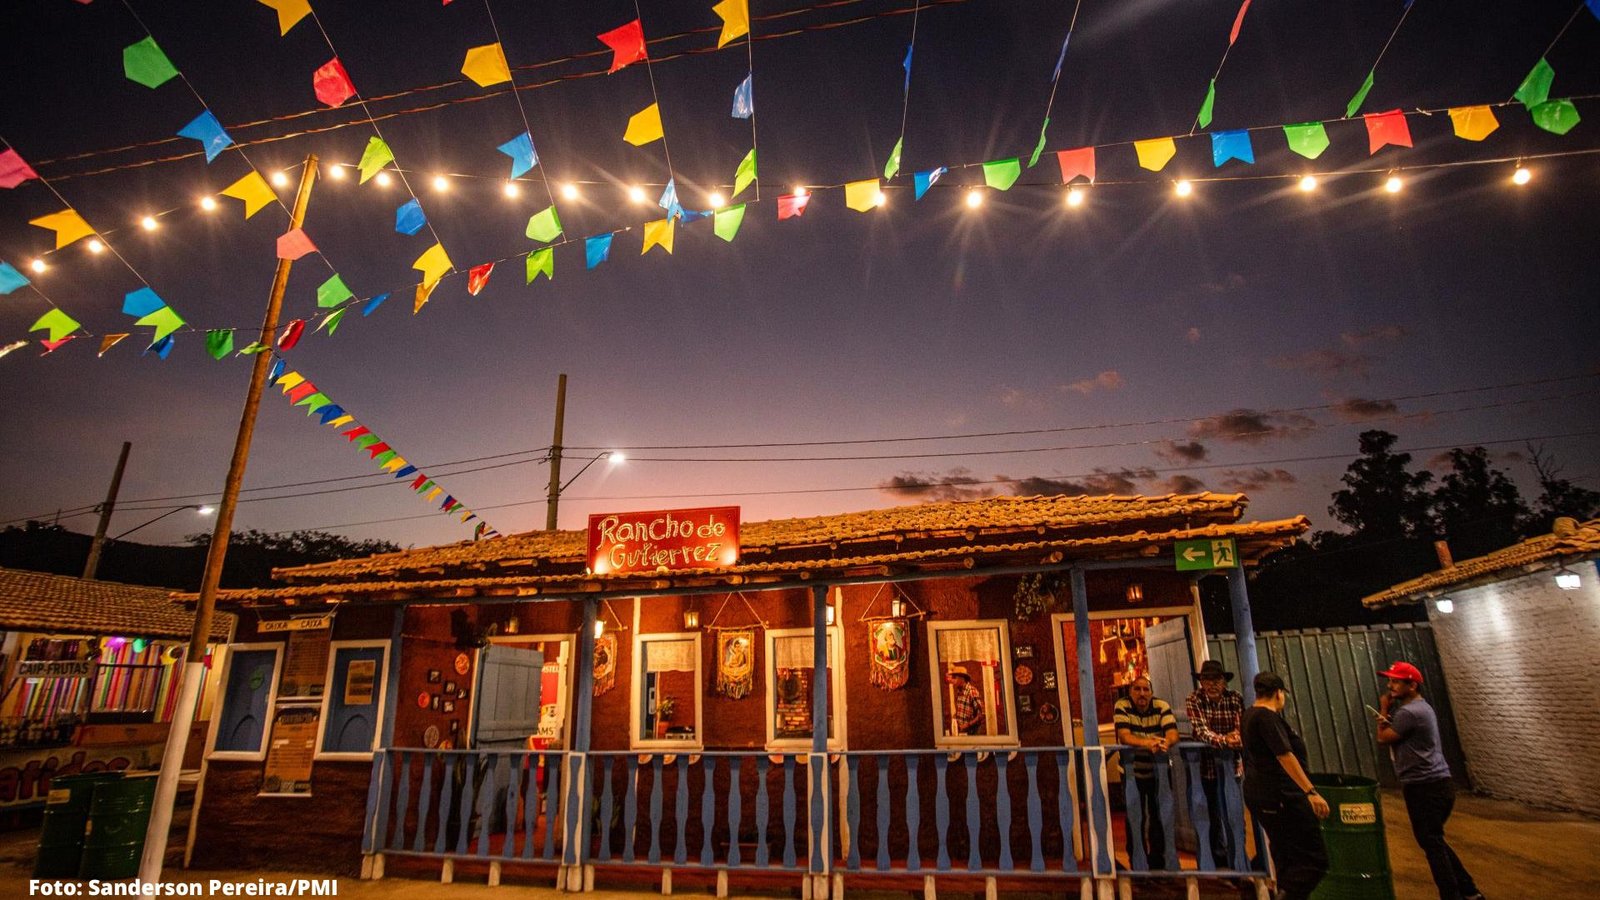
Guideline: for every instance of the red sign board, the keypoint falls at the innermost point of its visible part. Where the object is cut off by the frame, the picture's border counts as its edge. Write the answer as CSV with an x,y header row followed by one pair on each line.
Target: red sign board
x,y
663,539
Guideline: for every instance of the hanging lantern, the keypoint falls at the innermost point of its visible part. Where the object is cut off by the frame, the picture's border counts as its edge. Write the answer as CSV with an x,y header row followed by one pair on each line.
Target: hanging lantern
x,y
1135,593
691,618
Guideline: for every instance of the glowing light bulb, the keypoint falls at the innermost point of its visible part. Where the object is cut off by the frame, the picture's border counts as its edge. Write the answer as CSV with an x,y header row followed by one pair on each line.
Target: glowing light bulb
x,y
569,191
95,246
1308,183
974,198
717,200
281,179
800,191
38,265
149,223
1394,184
441,183
336,171
383,179
599,628
880,199
511,189
637,194
1075,197
1183,188
209,204
1521,175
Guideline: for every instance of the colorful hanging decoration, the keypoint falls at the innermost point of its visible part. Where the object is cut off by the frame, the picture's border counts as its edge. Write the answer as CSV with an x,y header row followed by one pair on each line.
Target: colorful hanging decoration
x,y
1308,139
149,309
57,323
290,12
219,342
1387,128
209,132
736,662
294,244
434,264
725,222
1001,174
486,65
13,171
332,83
1556,116
644,126
542,262
374,157
291,334
921,181
1226,145
144,63
891,653
1354,105
596,250
1473,123
478,277
333,292
253,191
891,167
10,278
626,43
544,226
409,217
1077,163
523,156
67,224
605,663
658,234
735,16
109,341
1154,154
862,196
1535,88
792,205
746,173
744,103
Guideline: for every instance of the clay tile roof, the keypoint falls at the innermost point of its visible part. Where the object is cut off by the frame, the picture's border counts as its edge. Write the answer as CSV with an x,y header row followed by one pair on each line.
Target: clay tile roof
x,y
1570,540
989,516
36,601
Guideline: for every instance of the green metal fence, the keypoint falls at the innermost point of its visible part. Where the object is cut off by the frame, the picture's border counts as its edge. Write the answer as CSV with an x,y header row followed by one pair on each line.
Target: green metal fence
x,y
1331,673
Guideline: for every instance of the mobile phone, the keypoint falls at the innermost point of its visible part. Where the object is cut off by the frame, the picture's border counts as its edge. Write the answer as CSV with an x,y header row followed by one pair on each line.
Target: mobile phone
x,y
1371,710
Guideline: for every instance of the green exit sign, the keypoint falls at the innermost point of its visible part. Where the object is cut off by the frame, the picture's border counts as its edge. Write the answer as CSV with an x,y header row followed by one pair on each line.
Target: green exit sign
x,y
1192,555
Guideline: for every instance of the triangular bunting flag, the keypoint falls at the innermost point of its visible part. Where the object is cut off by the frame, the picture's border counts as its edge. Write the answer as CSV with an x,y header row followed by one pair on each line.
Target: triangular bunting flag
x,y
478,277
141,302
10,278
658,234
746,172
434,263
735,15
486,66
67,224
373,304
332,292
290,12
1204,118
523,156
144,63
420,298
1535,88
253,190
376,155
161,348
1038,148
294,244
165,321
1360,97
626,43
744,102
58,323
892,166
109,341
644,126
330,323
921,181
291,334
596,250
52,346
13,171
544,226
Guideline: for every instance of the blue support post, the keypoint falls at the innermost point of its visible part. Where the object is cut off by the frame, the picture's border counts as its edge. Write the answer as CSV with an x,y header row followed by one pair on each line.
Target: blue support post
x,y
1244,628
1080,624
820,816
574,824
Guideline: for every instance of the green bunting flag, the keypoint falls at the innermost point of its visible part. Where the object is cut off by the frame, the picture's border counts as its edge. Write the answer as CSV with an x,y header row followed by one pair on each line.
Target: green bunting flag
x,y
59,324
1308,139
542,262
1205,108
1360,97
544,226
330,324
332,292
725,223
375,157
746,172
893,165
146,64
1038,149
219,342
1001,174
1556,116
1535,89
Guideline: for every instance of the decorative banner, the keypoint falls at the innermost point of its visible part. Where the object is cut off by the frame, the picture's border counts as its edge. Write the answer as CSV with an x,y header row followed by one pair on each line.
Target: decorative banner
x,y
1154,154
1226,145
1308,139
1387,128
746,172
921,181
669,200
10,278
862,196
294,244
891,653
58,323
144,63
486,65
644,126
376,155
1556,116
596,250
725,222
658,234
332,292
52,346
736,662
1076,163
208,131
420,298
744,103
542,262
1001,174
332,84
523,156
1360,97
663,539
291,336
1473,123
544,226
892,166
67,224
605,663
373,304
290,12
253,190
434,263
1204,118
1038,148
13,171
735,15
330,322
219,342
109,341
791,205
1238,22
409,218
478,277
626,43
1535,88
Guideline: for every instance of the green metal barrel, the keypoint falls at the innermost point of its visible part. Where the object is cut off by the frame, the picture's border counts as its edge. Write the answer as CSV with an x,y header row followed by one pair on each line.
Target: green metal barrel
x,y
114,838
1358,852
66,811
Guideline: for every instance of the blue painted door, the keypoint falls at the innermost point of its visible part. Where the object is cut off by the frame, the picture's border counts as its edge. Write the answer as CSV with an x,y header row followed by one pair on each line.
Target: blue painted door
x,y
243,718
508,695
352,726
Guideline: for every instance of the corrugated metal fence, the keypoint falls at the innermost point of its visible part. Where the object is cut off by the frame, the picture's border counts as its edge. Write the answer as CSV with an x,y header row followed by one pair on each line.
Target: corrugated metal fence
x,y
1331,673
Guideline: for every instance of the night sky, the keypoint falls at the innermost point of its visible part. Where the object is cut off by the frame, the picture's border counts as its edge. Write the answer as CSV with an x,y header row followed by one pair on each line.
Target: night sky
x,y
1238,339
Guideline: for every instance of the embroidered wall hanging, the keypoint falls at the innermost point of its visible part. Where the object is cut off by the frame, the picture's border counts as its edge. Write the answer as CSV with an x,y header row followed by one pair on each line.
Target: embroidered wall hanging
x,y
736,662
605,663
891,653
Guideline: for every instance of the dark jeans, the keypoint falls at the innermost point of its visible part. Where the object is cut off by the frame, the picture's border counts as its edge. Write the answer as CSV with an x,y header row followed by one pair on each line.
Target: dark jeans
x,y
1221,836
1298,854
1429,805
1155,838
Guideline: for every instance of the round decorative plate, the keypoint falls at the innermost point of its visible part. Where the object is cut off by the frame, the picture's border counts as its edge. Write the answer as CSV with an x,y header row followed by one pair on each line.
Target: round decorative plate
x,y
1024,675
1049,713
424,699
430,738
463,662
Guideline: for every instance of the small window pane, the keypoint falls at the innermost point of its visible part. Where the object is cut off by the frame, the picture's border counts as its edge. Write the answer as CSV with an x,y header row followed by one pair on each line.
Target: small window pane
x,y
972,682
671,688
794,677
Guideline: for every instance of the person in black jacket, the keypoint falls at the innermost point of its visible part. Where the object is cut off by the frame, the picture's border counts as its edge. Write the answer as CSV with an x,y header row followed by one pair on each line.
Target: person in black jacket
x,y
1280,794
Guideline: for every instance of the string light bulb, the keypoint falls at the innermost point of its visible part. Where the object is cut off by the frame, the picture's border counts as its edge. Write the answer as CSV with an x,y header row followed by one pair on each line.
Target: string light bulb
x,y
95,246
569,191
716,200
280,179
974,198
637,194
1394,184
1521,175
511,189
800,191
209,204
1183,188
38,265
441,183
383,180
1308,183
1075,197
336,171
880,199
149,223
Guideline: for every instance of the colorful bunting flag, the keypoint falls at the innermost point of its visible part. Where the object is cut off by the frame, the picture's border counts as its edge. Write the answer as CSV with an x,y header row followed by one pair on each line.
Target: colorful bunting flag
x,y
376,155
1535,88
644,126
1038,148
290,12
67,224
892,166
1076,163
208,131
141,302
161,348
10,278
332,292
253,348
744,102
409,217
373,304
420,298
542,262
790,205
1473,123
14,346
52,346
596,250
1001,174
924,180
13,171
486,65
109,341
523,156
1226,145
1155,153
144,63
1308,139
1360,97
544,226
58,323
434,263
669,200
165,321
1556,116
294,244
330,322
478,277
658,234
1387,128
626,43
1238,22
253,190
746,172
332,84
906,64
291,335
725,222
862,196
735,15
1204,118
219,342
279,364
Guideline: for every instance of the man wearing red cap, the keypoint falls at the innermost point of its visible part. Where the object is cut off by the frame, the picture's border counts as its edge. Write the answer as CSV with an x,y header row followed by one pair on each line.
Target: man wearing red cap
x,y
1410,729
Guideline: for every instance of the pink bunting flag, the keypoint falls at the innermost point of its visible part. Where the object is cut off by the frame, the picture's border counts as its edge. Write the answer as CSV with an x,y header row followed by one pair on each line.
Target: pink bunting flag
x,y
1237,22
477,277
626,43
1387,128
291,335
13,171
790,205
332,83
1075,163
52,346
294,244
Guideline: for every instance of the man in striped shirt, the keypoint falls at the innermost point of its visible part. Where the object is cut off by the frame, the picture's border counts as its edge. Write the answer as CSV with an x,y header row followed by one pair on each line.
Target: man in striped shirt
x,y
1148,725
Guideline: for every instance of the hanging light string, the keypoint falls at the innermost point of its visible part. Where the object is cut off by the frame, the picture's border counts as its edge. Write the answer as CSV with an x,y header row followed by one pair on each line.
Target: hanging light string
x,y
544,174
655,98
1238,22
1562,33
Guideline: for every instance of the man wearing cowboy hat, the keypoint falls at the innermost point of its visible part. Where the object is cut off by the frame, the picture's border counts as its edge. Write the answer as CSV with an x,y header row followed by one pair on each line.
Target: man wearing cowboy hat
x,y
1214,714
1408,726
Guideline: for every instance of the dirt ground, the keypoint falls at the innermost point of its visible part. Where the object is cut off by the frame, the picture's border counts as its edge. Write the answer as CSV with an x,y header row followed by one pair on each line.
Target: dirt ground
x,y
1513,852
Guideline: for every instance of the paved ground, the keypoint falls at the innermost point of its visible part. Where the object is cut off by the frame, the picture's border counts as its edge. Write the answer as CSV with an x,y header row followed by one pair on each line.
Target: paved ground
x,y
1513,851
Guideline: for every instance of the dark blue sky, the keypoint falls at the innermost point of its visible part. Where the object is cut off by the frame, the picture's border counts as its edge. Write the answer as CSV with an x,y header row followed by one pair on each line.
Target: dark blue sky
x,y
924,318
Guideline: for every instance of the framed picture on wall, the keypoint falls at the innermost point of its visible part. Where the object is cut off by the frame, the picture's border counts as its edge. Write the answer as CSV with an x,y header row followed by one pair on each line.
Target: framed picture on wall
x,y
1025,704
434,676
1047,679
449,687
1023,651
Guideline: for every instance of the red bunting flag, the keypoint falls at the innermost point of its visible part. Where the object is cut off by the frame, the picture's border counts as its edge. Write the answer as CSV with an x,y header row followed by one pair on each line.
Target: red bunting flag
x,y
300,391
1237,22
1075,163
477,277
291,336
13,171
52,346
294,244
792,205
1387,128
333,83
376,449
356,432
626,43
419,482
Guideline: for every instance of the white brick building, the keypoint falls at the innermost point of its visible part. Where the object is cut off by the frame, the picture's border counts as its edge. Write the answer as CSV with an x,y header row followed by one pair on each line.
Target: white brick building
x,y
1522,655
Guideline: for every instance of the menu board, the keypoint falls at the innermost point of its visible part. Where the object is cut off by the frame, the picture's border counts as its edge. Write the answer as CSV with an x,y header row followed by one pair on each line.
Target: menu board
x,y
291,746
305,665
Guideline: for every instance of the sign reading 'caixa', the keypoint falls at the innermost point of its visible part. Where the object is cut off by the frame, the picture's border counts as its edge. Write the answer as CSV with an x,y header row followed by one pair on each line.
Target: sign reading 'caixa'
x,y
663,539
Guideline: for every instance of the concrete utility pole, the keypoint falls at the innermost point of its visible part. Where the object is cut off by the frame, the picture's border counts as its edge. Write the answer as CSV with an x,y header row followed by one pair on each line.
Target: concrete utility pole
x,y
99,542
553,501
155,838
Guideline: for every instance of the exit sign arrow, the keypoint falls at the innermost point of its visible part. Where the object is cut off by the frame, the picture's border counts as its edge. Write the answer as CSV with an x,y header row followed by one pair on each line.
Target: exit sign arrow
x,y
1206,554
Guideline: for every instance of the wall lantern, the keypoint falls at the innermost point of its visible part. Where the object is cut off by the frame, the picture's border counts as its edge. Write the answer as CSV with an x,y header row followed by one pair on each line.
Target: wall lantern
x,y
691,618
1135,593
1446,606
599,628
897,607
1568,580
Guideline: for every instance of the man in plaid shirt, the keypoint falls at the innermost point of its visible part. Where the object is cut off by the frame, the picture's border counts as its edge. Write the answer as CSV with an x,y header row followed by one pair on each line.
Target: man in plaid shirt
x,y
968,708
1214,714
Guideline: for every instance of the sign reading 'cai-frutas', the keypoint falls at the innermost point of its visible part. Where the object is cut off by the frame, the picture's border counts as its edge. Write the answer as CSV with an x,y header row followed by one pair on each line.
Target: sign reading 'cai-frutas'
x,y
663,539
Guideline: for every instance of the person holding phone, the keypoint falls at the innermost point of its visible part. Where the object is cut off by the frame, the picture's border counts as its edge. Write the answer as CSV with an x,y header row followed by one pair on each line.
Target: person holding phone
x,y
1280,793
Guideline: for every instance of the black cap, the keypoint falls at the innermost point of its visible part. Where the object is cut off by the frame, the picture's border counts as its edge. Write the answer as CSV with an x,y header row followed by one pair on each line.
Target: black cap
x,y
1269,683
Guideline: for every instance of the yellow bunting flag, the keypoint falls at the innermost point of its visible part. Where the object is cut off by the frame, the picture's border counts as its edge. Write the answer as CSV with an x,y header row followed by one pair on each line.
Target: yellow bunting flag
x,y
1473,123
1155,153
67,224
433,264
253,190
735,15
486,65
862,196
397,462
289,381
424,291
644,126
341,421
109,341
657,233
434,493
290,12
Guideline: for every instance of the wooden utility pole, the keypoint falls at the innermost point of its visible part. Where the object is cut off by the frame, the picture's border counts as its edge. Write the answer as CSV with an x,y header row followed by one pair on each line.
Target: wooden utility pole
x,y
155,839
553,501
93,564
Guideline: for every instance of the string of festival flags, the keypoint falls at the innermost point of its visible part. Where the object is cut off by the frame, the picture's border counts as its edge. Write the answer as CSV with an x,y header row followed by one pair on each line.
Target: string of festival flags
x,y
486,65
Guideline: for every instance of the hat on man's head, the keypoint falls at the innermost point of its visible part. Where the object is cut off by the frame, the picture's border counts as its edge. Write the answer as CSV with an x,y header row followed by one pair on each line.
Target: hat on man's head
x,y
1404,671
1212,668
1269,683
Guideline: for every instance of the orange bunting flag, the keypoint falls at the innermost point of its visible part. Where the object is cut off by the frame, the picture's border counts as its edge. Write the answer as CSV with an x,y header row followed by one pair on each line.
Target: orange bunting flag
x,y
626,43
67,224
294,244
290,12
1155,153
332,83
1075,163
1238,22
424,291
109,341
644,126
478,277
486,65
1386,128
1473,123
658,234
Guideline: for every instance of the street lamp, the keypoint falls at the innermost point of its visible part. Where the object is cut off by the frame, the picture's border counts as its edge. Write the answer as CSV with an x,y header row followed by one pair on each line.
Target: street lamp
x,y
202,510
616,457
93,564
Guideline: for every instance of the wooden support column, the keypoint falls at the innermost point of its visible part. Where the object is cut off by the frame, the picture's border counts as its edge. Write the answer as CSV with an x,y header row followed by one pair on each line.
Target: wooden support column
x,y
575,874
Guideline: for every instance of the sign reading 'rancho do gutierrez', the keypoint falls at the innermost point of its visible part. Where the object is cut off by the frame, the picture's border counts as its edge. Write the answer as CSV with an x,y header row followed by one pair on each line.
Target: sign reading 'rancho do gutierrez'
x,y
663,539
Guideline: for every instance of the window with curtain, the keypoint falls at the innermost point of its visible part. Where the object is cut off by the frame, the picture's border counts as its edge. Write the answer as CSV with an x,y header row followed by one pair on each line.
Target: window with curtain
x,y
667,687
970,677
791,677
